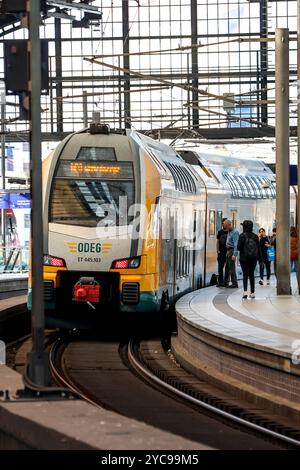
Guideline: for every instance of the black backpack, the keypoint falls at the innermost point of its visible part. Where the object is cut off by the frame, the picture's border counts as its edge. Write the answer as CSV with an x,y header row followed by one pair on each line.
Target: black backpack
x,y
250,248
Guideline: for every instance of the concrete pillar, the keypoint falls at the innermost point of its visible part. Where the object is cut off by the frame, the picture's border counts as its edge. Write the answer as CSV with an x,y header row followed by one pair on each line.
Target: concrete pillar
x,y
283,269
298,133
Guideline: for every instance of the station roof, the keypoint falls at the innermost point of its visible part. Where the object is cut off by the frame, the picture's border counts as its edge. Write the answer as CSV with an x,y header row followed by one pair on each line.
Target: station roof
x,y
8,24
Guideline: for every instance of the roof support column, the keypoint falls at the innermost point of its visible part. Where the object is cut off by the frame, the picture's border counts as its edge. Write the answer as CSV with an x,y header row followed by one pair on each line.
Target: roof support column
x,y
58,75
283,268
298,134
195,81
38,359
126,59
263,15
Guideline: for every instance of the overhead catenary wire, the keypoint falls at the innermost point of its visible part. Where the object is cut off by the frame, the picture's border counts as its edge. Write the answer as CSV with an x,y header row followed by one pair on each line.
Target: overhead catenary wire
x,y
125,39
160,80
113,92
228,116
178,85
192,46
167,51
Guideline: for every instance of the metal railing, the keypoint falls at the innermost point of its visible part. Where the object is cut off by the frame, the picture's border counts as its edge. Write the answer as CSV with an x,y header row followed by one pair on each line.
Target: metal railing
x,y
14,260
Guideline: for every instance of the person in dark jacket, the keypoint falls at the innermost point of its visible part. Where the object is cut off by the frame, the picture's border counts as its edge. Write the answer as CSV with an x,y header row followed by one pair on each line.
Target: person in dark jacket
x,y
250,253
221,253
264,243
294,249
273,244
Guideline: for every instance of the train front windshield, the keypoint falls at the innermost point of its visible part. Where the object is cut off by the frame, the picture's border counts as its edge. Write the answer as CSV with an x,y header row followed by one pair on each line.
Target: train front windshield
x,y
91,193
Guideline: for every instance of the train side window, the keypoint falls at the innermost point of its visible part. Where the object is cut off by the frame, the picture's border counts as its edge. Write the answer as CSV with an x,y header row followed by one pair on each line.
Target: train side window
x,y
242,186
232,184
253,192
178,268
183,261
96,153
212,223
234,218
183,179
219,219
247,185
182,273
166,223
157,160
187,261
258,184
292,218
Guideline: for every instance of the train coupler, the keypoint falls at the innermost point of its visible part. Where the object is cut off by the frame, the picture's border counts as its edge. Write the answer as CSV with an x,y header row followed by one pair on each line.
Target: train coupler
x,y
87,290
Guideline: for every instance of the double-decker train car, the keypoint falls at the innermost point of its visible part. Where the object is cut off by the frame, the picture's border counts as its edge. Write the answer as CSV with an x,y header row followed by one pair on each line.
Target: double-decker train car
x,y
130,224
123,226
237,188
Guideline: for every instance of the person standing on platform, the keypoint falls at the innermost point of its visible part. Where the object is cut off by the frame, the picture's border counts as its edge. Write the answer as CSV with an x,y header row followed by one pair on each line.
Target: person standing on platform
x,y
264,244
250,253
294,249
273,244
231,254
221,253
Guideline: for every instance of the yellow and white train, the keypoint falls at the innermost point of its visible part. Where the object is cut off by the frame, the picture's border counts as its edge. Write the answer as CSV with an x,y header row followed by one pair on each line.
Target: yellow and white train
x,y
130,224
107,199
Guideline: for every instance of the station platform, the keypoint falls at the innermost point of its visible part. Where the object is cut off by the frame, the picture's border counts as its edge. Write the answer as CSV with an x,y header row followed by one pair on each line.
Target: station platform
x,y
13,282
75,425
250,347
11,276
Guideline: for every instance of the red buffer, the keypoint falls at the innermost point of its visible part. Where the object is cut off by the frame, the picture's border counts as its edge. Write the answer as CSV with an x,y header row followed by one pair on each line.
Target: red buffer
x,y
87,289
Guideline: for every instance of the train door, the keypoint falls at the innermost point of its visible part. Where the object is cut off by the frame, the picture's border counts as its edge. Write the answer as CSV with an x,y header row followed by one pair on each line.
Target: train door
x,y
168,255
197,262
219,220
199,249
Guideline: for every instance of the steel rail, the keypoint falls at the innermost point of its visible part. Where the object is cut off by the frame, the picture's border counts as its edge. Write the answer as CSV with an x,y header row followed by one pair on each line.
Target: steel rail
x,y
152,378
62,377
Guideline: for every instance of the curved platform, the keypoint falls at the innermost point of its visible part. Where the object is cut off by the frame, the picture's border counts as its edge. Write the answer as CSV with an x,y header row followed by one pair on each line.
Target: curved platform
x,y
250,347
13,282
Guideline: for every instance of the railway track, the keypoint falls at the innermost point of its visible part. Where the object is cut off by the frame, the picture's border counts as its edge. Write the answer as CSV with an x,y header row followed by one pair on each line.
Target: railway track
x,y
108,374
14,322
201,395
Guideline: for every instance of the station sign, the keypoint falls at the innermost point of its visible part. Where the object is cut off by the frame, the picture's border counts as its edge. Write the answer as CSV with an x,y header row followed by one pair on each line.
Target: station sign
x,y
15,201
293,173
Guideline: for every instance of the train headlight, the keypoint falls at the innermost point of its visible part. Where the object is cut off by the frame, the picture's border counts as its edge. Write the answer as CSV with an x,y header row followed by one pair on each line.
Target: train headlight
x,y
134,262
54,261
126,263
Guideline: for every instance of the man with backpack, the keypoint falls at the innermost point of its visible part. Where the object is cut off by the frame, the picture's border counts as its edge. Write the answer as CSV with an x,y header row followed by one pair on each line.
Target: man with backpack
x,y
221,253
250,253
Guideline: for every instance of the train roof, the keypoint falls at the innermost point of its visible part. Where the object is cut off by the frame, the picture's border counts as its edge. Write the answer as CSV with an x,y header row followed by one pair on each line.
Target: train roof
x,y
211,159
170,164
243,177
164,151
